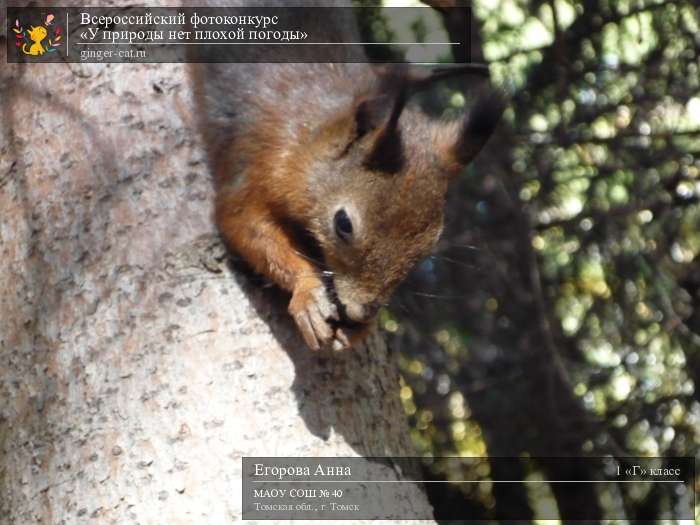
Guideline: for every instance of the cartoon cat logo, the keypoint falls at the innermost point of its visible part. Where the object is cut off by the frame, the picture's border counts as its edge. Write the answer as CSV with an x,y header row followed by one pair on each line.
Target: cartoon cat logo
x,y
36,35
32,41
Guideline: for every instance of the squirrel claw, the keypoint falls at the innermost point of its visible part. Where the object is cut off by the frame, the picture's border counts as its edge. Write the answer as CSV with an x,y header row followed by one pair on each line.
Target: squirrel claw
x,y
341,341
307,331
311,310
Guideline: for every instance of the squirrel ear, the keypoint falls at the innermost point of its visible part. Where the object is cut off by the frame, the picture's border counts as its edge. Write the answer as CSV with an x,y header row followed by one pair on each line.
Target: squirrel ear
x,y
474,131
375,130
387,151
370,114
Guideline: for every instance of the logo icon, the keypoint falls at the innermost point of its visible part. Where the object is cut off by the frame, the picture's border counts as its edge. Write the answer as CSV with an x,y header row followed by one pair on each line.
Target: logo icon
x,y
37,40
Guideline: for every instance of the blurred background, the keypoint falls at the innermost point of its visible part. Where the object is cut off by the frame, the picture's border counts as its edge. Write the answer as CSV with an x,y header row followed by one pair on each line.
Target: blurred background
x,y
559,316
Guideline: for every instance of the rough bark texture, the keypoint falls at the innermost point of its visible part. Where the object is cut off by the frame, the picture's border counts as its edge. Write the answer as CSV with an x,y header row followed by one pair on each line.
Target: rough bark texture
x,y
136,365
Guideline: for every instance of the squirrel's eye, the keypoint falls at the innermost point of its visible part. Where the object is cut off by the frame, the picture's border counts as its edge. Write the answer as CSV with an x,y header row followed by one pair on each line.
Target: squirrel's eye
x,y
343,225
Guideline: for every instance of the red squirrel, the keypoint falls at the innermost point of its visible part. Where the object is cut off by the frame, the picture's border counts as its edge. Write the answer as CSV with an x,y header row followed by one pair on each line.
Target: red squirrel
x,y
328,184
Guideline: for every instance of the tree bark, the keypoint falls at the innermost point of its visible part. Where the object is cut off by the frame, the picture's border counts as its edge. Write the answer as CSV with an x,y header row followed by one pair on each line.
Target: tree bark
x,y
137,366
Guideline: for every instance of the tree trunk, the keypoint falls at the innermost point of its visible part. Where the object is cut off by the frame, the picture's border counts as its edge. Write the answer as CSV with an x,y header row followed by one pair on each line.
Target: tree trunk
x,y
137,366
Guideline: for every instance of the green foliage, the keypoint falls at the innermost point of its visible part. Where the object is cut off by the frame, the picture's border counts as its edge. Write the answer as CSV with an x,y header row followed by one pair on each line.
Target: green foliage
x,y
561,315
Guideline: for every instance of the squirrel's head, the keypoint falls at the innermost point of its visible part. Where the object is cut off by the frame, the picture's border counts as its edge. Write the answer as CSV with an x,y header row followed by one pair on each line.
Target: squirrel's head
x,y
379,191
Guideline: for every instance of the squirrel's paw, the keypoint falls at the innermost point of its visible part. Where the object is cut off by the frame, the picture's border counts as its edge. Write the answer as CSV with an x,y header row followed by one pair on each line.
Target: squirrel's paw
x,y
313,312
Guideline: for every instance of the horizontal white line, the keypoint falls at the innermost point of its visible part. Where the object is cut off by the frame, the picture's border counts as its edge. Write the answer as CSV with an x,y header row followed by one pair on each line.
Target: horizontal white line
x,y
470,481
265,43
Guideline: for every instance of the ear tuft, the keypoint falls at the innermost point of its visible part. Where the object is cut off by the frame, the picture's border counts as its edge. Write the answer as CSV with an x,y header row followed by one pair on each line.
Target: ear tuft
x,y
387,154
479,125
370,114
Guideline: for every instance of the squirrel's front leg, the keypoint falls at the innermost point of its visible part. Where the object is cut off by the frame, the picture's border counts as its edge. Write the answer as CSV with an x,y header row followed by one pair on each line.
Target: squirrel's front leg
x,y
252,232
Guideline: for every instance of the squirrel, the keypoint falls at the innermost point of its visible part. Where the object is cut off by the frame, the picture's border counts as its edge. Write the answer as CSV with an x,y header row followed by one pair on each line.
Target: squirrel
x,y
327,183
